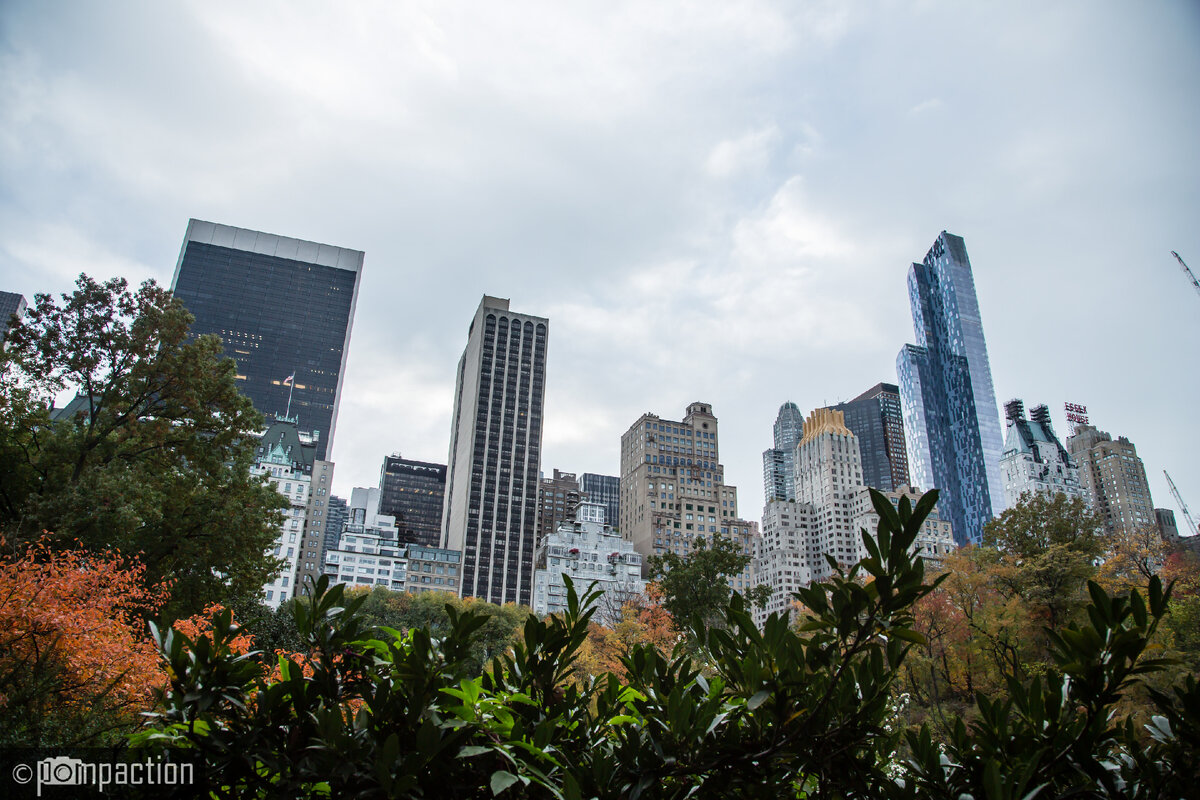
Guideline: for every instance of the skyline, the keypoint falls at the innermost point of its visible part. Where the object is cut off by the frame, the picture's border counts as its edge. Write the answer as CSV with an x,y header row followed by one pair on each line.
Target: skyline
x,y
728,198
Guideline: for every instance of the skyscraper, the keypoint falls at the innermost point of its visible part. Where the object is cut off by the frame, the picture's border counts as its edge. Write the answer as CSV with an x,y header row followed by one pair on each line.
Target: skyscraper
x,y
1034,460
283,308
779,462
413,493
1113,478
950,418
876,419
605,489
673,488
11,304
495,453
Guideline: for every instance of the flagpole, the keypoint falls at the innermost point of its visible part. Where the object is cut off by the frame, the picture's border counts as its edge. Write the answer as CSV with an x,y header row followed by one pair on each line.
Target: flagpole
x,y
291,388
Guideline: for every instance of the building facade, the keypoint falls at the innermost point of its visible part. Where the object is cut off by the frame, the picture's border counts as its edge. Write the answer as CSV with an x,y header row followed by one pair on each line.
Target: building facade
x,y
413,493
673,488
311,559
285,455
875,417
1113,478
951,422
593,555
779,480
605,489
558,498
283,309
433,569
490,513
369,552
337,511
11,305
1034,460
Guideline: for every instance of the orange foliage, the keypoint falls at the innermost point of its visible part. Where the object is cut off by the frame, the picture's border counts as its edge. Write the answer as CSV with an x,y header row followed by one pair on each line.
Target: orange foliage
x,y
70,621
201,625
642,622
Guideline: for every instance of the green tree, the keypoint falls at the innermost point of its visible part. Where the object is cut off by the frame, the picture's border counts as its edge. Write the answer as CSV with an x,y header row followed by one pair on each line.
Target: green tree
x,y
698,583
1045,548
156,458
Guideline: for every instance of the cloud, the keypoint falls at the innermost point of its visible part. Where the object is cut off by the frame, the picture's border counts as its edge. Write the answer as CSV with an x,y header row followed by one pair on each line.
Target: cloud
x,y
750,152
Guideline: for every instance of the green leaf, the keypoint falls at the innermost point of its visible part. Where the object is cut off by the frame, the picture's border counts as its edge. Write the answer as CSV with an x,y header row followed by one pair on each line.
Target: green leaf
x,y
501,780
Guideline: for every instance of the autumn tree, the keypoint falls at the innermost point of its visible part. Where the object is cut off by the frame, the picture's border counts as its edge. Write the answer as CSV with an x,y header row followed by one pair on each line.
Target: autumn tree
x,y
76,665
154,456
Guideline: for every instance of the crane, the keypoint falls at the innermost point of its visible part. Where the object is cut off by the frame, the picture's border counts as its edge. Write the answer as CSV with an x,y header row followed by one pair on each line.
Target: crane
x,y
1179,500
1187,271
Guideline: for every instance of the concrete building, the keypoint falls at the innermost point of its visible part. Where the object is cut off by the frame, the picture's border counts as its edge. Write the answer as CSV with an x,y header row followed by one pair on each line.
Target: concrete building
x,y
283,308
673,488
311,559
414,493
1113,479
433,569
558,497
779,479
951,423
490,513
875,417
593,555
604,489
1034,460
369,552
286,456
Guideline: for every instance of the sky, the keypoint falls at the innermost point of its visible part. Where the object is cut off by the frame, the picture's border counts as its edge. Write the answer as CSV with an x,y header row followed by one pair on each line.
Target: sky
x,y
713,202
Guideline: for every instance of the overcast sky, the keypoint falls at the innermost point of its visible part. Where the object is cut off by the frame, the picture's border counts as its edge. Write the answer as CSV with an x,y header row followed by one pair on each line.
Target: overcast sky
x,y
711,202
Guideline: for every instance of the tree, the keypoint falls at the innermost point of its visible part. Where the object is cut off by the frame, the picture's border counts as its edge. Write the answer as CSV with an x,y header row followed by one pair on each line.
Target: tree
x,y
698,583
76,666
1045,547
156,458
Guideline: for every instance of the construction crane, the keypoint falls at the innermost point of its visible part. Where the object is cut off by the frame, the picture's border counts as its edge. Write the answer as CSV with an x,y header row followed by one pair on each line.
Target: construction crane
x,y
1192,529
1187,271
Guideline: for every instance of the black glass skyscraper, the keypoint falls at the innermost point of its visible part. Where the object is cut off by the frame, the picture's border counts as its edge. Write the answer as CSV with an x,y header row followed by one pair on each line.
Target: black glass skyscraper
x,y
283,308
951,421
876,419
11,304
413,492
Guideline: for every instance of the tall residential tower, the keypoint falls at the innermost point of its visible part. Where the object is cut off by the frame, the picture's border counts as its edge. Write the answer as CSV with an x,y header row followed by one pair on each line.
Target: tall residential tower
x,y
876,419
491,508
951,421
283,308
779,463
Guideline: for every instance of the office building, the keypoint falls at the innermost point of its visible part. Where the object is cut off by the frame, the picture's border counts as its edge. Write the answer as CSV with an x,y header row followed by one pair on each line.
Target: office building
x,y
1034,460
673,488
594,556
283,309
311,557
432,569
413,493
11,305
604,489
779,481
558,497
286,456
951,423
369,552
1113,478
876,419
337,511
490,513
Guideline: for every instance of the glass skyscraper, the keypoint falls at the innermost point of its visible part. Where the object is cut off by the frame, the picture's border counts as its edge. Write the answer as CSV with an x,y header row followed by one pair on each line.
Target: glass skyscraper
x,y
876,419
951,420
283,308
604,489
779,473
413,492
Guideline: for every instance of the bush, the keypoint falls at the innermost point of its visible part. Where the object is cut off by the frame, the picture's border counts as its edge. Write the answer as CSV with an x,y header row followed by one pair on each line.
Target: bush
x,y
771,713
